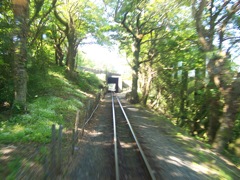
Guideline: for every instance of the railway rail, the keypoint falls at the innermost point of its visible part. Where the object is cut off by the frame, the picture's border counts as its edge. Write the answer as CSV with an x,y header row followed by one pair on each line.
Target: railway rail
x,y
130,160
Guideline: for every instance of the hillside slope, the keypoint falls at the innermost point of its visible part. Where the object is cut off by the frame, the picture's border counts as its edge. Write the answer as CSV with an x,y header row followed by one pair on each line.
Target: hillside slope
x,y
52,99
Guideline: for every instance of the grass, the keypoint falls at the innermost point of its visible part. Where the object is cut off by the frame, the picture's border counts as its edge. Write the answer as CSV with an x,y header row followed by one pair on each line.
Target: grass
x,y
216,165
13,167
36,125
52,99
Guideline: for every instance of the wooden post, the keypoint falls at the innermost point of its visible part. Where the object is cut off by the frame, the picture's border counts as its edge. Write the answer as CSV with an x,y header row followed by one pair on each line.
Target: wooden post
x,y
73,139
53,153
77,122
59,159
98,97
88,108
84,121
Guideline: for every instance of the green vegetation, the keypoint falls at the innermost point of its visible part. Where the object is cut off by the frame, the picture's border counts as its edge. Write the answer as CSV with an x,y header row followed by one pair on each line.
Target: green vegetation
x,y
39,83
54,101
13,167
204,159
181,54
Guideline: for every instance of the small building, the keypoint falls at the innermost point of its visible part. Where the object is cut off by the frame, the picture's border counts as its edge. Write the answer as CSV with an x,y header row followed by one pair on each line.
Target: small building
x,y
114,82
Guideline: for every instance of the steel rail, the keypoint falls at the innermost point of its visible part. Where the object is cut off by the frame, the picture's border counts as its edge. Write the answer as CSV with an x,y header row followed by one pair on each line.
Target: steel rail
x,y
115,141
150,171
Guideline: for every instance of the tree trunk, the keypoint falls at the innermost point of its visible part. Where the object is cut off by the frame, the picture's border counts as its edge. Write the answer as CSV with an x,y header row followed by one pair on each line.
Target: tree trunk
x,y
214,96
134,93
146,90
148,76
213,110
224,132
20,9
199,101
183,97
71,55
213,117
58,54
72,49
72,39
231,98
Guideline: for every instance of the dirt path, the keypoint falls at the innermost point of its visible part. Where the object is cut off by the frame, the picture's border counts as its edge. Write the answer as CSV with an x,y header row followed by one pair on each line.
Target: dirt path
x,y
171,156
95,154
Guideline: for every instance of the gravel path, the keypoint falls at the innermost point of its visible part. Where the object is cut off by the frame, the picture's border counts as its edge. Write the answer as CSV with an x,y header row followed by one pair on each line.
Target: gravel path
x,y
95,154
169,158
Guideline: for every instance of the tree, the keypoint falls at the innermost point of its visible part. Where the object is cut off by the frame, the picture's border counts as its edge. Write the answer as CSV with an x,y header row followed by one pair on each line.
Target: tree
x,y
6,54
21,16
151,57
214,23
23,38
79,19
58,37
138,19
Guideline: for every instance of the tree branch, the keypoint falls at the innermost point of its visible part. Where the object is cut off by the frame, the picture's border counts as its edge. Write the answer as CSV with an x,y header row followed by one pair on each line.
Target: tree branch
x,y
42,20
38,7
59,18
126,27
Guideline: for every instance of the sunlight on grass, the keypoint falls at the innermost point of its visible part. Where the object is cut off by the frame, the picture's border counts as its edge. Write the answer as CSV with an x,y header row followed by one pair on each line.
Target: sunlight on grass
x,y
52,99
205,162
59,76
207,168
36,125
17,128
82,92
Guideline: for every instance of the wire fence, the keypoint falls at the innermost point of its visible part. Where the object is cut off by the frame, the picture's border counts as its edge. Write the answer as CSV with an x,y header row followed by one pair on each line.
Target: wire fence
x,y
49,161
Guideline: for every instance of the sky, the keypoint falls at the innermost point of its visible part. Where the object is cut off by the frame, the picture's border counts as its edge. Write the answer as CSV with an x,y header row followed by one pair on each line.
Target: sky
x,y
106,57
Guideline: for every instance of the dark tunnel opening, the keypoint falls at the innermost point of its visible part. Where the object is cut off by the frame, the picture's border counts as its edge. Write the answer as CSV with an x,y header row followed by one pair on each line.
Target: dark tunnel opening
x,y
113,80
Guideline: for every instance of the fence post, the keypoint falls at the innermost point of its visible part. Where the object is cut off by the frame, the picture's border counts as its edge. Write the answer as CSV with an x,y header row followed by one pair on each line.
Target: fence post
x,y
73,143
89,108
53,153
59,159
77,122
84,121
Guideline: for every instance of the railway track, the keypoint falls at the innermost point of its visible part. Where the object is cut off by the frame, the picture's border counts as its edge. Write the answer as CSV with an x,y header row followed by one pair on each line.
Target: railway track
x,y
130,160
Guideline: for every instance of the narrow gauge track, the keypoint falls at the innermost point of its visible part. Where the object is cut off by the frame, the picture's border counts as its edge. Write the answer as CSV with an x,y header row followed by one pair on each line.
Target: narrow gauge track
x,y
130,161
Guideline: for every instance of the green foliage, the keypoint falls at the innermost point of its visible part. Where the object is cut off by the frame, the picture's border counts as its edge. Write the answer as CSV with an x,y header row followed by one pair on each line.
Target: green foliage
x,y
236,129
43,152
6,85
89,82
35,126
53,100
6,45
13,167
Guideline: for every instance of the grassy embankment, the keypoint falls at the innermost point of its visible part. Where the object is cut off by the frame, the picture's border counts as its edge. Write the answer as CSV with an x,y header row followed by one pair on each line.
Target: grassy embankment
x,y
204,160
52,99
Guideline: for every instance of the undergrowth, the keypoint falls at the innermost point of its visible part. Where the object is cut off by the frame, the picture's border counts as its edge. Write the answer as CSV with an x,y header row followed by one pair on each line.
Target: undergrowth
x,y
52,99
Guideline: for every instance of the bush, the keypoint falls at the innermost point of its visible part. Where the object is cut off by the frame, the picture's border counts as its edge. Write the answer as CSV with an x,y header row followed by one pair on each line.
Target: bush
x,y
53,100
89,82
